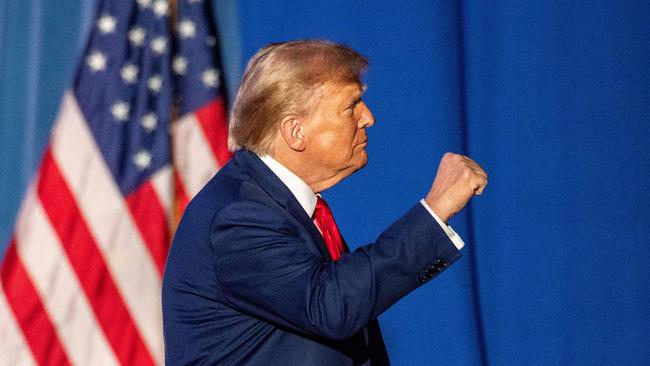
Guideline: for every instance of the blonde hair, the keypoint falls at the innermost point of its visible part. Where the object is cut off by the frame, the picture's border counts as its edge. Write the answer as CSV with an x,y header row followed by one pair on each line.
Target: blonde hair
x,y
279,81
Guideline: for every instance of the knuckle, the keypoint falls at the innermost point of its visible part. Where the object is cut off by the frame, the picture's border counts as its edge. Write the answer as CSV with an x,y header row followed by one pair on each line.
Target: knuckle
x,y
448,156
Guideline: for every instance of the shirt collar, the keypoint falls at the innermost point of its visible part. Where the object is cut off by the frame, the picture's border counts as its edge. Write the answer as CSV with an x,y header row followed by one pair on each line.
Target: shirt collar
x,y
297,186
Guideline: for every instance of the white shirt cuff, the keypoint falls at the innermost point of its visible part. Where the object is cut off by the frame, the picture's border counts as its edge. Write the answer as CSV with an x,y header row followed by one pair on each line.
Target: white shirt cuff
x,y
458,242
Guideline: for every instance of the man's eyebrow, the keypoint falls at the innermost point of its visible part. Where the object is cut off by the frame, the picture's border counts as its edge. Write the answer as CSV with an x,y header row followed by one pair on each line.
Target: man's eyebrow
x,y
359,96
356,101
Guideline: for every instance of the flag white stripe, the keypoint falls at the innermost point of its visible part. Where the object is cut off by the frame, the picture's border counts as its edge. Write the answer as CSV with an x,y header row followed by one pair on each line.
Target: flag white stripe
x,y
40,251
192,155
162,185
14,350
109,220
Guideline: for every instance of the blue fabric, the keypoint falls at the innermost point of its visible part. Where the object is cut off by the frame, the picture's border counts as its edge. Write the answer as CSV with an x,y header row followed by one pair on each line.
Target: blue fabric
x,y
552,98
38,56
249,280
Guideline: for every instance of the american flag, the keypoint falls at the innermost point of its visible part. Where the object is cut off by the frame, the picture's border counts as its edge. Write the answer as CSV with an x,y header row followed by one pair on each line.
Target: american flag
x,y
80,282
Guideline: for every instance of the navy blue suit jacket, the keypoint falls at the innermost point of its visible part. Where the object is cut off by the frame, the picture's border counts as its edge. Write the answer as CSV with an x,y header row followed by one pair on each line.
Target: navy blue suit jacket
x,y
249,280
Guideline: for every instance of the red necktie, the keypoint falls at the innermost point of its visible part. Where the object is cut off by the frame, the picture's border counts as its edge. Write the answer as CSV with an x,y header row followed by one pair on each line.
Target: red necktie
x,y
327,226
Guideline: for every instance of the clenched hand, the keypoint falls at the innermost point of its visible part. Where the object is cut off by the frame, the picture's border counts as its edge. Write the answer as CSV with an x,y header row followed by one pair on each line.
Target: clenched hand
x,y
458,179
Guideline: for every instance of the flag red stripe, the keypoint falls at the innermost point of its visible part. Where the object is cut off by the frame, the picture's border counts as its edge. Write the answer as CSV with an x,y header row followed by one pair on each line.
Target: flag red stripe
x,y
29,311
212,118
149,215
88,263
180,196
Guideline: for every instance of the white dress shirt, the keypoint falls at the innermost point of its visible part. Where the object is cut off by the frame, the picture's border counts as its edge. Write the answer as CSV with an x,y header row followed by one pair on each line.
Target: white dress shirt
x,y
307,198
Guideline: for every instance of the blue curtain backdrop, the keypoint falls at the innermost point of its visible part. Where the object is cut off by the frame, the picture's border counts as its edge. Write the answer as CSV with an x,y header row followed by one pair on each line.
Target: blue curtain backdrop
x,y
552,98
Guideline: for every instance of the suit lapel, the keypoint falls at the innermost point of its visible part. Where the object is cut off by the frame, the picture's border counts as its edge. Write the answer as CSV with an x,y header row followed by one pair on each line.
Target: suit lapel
x,y
272,185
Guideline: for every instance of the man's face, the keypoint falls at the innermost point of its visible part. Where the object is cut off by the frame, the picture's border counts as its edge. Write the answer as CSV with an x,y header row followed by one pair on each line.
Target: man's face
x,y
336,130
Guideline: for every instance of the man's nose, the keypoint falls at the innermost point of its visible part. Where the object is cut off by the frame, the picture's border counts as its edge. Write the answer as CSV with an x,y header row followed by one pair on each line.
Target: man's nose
x,y
366,119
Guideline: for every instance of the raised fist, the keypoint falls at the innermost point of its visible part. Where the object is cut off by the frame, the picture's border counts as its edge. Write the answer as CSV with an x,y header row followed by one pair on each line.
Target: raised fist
x,y
458,179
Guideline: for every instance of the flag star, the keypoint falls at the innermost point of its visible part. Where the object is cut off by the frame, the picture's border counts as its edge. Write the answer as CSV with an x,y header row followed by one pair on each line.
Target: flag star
x,y
149,121
144,3
106,24
154,83
129,73
160,7
186,29
136,36
120,111
142,159
97,61
179,65
159,44
210,78
210,41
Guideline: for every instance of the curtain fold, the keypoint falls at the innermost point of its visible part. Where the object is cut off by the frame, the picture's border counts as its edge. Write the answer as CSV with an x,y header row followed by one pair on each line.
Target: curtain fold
x,y
40,44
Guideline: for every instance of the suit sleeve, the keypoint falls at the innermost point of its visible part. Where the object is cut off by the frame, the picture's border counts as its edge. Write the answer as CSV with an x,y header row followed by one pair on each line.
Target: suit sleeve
x,y
266,269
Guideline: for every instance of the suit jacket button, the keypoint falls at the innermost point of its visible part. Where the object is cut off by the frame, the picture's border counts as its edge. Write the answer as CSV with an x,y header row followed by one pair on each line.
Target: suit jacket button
x,y
440,264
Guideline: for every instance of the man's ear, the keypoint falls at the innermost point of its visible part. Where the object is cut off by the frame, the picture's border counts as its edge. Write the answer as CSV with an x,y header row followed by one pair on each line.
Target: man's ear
x,y
291,129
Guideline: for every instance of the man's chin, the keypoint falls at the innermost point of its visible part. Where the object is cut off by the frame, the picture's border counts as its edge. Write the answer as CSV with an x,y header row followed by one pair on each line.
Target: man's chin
x,y
360,160
364,162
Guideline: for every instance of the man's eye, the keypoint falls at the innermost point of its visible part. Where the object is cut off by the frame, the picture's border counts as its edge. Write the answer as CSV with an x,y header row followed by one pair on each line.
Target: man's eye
x,y
354,105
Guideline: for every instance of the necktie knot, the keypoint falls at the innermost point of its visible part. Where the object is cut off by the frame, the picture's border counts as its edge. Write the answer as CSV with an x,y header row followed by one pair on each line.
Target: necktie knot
x,y
331,234
322,207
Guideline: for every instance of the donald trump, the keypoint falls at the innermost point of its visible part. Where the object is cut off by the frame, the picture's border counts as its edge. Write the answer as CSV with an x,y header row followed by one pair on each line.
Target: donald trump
x,y
258,273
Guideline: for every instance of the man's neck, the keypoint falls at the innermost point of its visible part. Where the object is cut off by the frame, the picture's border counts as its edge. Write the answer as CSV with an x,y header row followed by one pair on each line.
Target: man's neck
x,y
304,168
300,190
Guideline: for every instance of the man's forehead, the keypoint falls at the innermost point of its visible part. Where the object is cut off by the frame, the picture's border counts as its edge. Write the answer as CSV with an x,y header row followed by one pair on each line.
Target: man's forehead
x,y
343,89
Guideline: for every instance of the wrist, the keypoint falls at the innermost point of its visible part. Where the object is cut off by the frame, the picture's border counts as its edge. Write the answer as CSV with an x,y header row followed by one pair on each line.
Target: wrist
x,y
439,208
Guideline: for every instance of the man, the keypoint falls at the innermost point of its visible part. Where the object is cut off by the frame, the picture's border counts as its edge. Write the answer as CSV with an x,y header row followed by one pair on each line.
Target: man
x,y
258,273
